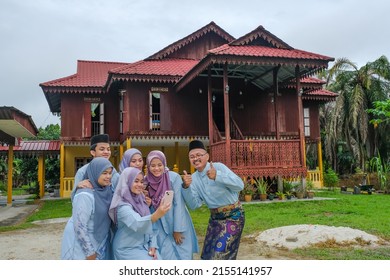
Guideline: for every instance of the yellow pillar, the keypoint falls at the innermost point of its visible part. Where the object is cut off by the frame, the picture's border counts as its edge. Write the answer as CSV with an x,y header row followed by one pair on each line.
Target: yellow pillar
x,y
120,152
41,175
10,172
321,167
62,169
128,143
177,156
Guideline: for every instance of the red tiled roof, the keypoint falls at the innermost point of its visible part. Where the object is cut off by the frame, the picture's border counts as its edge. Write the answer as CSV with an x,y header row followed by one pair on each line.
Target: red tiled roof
x,y
307,83
89,74
35,145
156,70
324,92
319,94
261,51
312,80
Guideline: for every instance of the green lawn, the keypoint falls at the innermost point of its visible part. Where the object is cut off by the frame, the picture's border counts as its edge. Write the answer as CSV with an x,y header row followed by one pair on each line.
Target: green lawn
x,y
369,213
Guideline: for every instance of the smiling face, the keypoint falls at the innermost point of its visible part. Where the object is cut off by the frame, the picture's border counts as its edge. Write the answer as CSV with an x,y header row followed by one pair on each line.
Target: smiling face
x,y
102,150
138,185
156,167
105,178
137,161
198,159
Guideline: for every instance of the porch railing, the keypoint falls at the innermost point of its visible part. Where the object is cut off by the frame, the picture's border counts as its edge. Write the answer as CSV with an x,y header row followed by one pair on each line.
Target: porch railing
x,y
254,157
316,177
68,186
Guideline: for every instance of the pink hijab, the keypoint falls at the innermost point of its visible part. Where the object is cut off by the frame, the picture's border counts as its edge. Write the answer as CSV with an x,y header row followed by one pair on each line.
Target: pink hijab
x,y
157,185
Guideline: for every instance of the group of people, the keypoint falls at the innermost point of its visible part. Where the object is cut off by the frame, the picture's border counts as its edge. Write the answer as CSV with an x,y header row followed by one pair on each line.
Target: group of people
x,y
124,215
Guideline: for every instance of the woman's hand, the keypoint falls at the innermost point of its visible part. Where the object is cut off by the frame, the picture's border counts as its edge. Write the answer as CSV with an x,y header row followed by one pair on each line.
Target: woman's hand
x,y
84,184
161,211
178,236
91,257
152,252
148,200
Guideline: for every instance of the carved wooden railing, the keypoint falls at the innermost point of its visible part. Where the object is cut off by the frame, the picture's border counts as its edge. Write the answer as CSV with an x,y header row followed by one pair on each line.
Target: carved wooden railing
x,y
259,157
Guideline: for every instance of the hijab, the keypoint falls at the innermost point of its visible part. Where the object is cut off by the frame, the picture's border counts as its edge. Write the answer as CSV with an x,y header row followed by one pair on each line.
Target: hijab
x,y
102,195
157,185
124,195
127,156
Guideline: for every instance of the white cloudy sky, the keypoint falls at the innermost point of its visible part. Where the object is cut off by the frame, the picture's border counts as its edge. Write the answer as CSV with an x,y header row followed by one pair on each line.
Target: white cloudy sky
x,y
41,40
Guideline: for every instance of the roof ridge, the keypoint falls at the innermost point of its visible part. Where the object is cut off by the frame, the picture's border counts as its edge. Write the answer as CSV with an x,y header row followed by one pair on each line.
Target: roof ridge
x,y
212,26
260,31
100,61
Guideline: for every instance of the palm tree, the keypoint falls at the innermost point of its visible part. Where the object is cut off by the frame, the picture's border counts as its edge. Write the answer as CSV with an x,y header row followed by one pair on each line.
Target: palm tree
x,y
347,119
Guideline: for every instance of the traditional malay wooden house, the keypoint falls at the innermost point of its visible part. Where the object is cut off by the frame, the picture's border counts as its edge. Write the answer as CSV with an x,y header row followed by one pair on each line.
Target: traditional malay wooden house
x,y
254,101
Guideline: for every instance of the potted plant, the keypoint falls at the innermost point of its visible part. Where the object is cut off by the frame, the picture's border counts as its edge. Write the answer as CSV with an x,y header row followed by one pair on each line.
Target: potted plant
x,y
248,191
299,191
289,195
262,188
280,195
309,188
287,186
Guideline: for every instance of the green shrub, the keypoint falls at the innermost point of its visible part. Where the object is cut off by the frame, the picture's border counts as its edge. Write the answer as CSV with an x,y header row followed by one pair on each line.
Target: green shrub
x,y
331,179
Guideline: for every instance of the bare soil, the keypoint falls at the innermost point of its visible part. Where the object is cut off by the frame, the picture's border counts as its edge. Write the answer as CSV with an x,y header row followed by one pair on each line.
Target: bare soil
x,y
43,242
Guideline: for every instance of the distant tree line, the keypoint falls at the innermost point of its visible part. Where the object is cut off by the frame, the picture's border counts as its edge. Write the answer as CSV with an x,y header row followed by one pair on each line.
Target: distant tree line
x,y
355,128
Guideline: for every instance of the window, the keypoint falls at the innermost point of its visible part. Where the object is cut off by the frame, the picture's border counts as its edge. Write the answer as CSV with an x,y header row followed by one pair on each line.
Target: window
x,y
306,121
154,105
79,162
121,112
97,118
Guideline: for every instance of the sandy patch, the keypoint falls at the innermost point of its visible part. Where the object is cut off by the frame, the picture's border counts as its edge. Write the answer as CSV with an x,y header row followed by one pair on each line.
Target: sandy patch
x,y
43,241
298,236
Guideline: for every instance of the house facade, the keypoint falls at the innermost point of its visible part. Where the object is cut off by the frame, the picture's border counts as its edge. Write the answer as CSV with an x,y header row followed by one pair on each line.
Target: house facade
x,y
254,101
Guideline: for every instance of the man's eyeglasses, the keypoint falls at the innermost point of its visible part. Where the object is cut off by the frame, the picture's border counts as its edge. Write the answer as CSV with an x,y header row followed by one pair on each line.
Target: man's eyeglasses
x,y
192,157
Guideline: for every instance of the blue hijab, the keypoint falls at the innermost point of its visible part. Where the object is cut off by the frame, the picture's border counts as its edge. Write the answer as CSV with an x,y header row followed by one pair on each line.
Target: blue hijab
x,y
127,156
102,195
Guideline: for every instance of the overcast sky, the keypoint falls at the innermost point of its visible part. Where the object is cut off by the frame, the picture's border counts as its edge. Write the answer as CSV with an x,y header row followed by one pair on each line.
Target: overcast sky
x,y
41,40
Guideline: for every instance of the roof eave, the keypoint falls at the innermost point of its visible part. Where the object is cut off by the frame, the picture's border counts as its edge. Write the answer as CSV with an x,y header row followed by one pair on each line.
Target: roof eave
x,y
315,64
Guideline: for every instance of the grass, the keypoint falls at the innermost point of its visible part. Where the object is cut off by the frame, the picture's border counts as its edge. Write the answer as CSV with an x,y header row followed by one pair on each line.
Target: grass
x,y
365,212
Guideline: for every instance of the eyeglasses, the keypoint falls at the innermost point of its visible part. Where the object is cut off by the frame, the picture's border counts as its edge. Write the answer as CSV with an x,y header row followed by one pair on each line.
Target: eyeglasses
x,y
192,157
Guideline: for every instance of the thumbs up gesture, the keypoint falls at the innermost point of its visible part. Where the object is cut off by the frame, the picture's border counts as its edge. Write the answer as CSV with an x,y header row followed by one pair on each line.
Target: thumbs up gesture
x,y
212,172
187,179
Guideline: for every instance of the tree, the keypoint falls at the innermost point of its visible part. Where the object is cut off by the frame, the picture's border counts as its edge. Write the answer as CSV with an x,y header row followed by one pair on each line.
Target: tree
x,y
50,132
381,112
347,119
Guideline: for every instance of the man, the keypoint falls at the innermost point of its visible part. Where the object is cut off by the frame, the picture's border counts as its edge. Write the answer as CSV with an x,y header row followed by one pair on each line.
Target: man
x,y
99,147
218,187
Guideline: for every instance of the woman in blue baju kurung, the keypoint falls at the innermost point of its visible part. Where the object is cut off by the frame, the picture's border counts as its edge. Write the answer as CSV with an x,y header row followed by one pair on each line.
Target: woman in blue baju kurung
x,y
135,235
176,238
87,233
